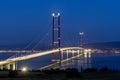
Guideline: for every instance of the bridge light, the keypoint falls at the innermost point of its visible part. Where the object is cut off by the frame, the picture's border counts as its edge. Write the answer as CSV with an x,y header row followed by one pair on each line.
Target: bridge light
x,y
24,69
58,14
81,33
53,14
89,50
85,50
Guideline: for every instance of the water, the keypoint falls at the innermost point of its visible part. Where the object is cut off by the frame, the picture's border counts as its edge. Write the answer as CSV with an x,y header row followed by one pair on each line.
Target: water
x,y
97,60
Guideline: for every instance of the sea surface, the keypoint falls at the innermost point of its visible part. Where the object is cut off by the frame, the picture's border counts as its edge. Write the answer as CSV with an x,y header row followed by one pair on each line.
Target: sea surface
x,y
95,60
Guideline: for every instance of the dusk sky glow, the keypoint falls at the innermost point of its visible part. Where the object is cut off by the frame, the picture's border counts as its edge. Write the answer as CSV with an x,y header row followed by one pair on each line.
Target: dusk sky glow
x,y
21,21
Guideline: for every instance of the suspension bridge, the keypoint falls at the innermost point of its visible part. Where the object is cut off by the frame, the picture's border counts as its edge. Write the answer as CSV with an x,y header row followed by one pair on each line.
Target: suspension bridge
x,y
59,50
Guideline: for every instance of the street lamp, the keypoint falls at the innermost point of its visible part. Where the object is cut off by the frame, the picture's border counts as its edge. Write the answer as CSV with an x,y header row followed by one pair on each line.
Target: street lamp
x,y
24,69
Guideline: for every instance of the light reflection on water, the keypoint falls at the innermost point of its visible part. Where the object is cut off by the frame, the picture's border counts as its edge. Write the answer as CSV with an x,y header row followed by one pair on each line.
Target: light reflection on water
x,y
97,60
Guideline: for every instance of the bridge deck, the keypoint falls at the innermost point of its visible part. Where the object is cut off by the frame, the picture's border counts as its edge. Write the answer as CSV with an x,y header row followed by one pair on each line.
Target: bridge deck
x,y
35,55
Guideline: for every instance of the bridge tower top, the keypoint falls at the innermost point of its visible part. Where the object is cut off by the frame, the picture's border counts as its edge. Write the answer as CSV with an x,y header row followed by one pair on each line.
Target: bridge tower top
x,y
81,38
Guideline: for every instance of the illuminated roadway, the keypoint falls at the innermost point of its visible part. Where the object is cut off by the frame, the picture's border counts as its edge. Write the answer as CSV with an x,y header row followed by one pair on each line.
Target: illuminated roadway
x,y
25,57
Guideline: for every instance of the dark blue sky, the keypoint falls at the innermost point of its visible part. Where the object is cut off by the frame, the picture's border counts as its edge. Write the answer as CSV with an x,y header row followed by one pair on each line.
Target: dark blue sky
x,y
21,21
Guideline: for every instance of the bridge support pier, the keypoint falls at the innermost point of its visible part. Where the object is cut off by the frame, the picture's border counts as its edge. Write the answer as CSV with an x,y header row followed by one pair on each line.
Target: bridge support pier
x,y
89,54
8,66
62,55
67,55
1,67
14,66
85,54
78,52
72,54
73,51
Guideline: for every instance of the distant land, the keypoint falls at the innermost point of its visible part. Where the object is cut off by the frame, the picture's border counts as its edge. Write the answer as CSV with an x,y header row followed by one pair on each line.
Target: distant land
x,y
103,45
26,46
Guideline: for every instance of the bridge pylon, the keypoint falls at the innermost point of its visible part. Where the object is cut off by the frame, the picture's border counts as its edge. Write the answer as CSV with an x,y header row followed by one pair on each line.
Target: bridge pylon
x,y
54,28
81,38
